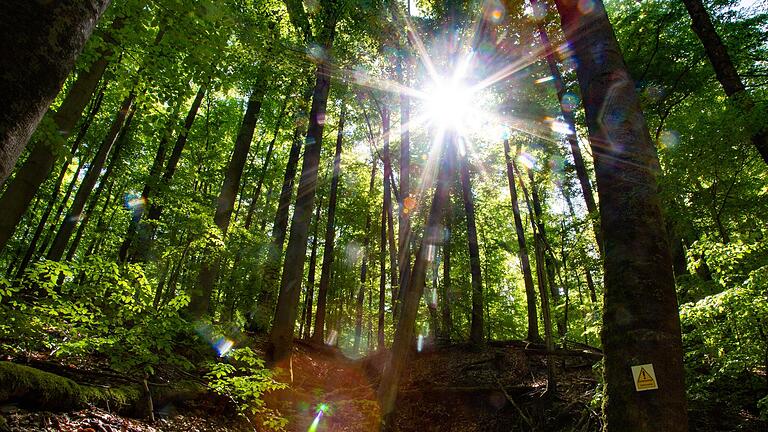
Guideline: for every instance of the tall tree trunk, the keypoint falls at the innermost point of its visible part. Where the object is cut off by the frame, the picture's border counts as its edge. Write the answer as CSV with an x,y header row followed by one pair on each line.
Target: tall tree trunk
x,y
388,207
404,333
311,276
89,181
641,324
93,201
281,335
446,294
522,254
404,223
201,295
539,247
382,278
153,181
36,168
330,238
548,253
726,71
265,164
476,327
155,209
41,42
364,267
265,307
57,188
567,111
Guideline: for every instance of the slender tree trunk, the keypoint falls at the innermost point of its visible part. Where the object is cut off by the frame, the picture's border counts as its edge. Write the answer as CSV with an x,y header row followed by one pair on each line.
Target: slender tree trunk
x,y
41,42
446,294
281,337
155,209
311,276
382,277
122,140
641,324
548,253
476,327
525,265
567,111
388,206
330,238
57,188
404,333
265,164
404,223
201,295
153,181
539,248
726,71
89,181
265,307
364,267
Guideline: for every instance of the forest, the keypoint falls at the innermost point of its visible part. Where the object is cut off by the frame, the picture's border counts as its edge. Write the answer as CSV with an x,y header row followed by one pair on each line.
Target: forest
x,y
384,215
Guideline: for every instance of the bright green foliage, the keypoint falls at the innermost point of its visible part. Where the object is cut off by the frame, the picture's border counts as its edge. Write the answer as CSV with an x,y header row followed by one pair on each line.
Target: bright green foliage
x,y
244,379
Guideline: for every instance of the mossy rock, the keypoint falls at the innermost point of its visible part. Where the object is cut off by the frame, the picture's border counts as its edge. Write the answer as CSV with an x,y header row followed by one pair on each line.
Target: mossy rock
x,y
33,387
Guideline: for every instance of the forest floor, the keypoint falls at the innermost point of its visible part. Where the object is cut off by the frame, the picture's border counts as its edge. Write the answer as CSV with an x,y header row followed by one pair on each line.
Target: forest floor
x,y
501,387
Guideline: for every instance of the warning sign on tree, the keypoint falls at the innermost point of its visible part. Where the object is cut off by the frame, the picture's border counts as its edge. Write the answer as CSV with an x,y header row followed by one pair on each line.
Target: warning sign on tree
x,y
644,377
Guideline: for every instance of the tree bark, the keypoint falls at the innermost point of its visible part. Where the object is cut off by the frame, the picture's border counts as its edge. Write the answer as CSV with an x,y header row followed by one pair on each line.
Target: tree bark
x,y
200,297
155,209
476,326
57,188
640,323
389,211
387,392
570,121
382,278
525,265
446,294
726,71
36,168
318,336
41,42
89,181
364,267
281,337
404,223
311,276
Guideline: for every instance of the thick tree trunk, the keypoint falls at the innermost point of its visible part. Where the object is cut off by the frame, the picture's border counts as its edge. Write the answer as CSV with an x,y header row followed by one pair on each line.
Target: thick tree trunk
x,y
36,168
404,333
89,181
726,71
525,265
641,324
318,336
200,297
281,337
364,267
476,326
57,188
41,41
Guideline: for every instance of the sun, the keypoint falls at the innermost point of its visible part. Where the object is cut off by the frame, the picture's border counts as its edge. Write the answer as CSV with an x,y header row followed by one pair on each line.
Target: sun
x,y
448,104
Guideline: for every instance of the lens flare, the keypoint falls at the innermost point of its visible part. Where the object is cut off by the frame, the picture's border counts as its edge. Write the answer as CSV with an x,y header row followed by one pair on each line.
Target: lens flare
x,y
448,103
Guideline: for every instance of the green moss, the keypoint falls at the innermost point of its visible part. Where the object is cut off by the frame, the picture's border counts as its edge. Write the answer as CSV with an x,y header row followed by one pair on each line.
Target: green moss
x,y
45,389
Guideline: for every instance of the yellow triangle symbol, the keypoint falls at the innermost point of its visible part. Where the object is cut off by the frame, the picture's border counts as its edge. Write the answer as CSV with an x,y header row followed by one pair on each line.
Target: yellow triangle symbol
x,y
645,380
